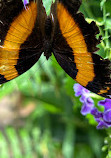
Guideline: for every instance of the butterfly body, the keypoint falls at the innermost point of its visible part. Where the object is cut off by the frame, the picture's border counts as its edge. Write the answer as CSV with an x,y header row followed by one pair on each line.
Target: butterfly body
x,y
27,32
47,45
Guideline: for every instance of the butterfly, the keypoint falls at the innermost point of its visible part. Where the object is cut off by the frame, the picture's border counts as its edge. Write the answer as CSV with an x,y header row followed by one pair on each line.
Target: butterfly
x,y
26,32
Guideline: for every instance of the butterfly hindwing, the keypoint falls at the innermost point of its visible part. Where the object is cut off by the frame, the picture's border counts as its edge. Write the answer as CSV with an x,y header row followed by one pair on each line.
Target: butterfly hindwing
x,y
21,36
76,54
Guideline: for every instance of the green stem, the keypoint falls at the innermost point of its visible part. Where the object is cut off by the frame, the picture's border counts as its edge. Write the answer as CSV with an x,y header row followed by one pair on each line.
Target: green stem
x,y
88,10
107,47
69,141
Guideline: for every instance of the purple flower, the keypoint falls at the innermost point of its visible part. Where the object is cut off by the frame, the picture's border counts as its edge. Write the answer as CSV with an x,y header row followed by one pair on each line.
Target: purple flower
x,y
87,106
106,103
103,118
78,89
85,98
25,2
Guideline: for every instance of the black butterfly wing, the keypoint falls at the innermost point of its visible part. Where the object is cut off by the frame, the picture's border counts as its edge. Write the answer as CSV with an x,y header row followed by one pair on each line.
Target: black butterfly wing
x,y
21,37
74,44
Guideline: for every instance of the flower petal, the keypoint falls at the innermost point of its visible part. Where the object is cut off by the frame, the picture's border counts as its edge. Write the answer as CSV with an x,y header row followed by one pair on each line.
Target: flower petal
x,y
102,125
86,108
106,103
96,113
107,116
25,2
78,89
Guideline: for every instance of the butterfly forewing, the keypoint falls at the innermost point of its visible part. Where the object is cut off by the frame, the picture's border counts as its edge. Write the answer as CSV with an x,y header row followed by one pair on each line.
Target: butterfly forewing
x,y
79,61
21,33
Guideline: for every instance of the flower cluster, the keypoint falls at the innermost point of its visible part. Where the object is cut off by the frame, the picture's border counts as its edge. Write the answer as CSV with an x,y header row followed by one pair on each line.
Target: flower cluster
x,y
85,98
103,118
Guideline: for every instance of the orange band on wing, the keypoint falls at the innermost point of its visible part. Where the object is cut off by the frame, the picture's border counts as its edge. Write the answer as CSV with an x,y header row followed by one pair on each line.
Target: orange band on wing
x,y
104,91
17,34
75,39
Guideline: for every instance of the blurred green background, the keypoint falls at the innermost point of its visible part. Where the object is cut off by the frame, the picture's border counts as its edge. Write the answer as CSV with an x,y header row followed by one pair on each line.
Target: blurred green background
x,y
39,114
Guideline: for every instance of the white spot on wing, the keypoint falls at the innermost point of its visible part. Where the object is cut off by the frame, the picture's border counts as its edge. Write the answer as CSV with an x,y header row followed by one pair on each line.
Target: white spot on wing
x,y
1,22
52,17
